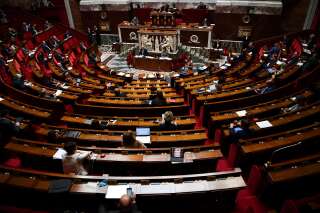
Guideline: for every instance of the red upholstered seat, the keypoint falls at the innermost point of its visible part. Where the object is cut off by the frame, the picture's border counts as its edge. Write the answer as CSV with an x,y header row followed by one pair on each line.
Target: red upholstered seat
x,y
217,136
247,198
289,206
13,209
226,164
14,162
68,108
251,205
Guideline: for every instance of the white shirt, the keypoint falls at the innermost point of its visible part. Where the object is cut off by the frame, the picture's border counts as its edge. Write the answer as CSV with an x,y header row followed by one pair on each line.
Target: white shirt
x,y
73,163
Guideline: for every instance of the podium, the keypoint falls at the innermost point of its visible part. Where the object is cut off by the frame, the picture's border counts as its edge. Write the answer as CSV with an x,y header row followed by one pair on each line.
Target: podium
x,y
158,41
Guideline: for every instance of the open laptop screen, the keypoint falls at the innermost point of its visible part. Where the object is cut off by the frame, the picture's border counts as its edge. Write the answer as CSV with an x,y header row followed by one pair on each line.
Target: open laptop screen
x,y
142,131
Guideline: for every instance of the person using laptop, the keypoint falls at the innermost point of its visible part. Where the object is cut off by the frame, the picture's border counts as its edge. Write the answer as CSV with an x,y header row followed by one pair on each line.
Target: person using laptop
x,y
168,123
129,141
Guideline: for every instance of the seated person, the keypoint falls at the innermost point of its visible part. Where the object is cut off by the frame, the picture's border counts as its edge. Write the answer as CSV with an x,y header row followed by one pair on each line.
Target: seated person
x,y
167,123
129,141
135,21
153,92
143,51
239,129
202,6
205,22
158,99
299,102
73,160
98,124
127,204
7,128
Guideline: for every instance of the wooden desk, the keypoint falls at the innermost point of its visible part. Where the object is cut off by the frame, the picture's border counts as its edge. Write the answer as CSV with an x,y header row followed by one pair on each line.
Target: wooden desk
x,y
294,173
153,64
23,108
128,122
267,145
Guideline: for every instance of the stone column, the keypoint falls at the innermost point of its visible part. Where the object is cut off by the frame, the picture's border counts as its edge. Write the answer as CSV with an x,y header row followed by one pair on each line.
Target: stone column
x,y
74,14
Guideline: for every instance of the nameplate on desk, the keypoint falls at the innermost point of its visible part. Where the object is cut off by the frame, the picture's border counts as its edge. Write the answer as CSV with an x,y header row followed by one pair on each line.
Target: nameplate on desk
x,y
264,124
150,57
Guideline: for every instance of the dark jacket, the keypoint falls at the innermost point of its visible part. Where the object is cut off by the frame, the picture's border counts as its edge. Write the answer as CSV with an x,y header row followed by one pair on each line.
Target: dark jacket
x,y
167,126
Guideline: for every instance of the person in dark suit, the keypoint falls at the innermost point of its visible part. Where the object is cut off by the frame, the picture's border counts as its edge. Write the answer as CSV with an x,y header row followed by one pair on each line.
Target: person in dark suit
x,y
7,128
167,123
158,99
143,51
129,141
98,36
99,125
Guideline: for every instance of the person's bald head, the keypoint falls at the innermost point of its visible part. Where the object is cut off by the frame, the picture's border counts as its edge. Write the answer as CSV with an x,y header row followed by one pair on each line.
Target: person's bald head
x,y
125,203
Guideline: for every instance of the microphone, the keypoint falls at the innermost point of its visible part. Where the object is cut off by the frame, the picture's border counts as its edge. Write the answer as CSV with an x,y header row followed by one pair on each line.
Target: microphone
x,y
279,150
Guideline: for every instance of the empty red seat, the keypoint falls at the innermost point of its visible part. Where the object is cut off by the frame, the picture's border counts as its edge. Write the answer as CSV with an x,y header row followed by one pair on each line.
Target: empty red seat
x,y
247,199
226,164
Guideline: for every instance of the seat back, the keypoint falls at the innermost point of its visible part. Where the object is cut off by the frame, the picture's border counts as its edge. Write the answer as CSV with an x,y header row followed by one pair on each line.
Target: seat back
x,y
255,180
289,207
233,155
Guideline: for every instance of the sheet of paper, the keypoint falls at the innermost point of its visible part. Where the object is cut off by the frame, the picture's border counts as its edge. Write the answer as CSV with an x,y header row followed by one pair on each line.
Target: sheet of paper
x,y
27,83
1,99
241,113
58,92
144,139
157,188
194,186
116,191
264,124
59,154
88,121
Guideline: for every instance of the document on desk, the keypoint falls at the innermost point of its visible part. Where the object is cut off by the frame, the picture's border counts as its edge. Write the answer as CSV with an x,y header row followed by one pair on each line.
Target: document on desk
x,y
144,139
226,183
116,191
156,188
241,113
156,158
1,99
58,92
194,186
264,124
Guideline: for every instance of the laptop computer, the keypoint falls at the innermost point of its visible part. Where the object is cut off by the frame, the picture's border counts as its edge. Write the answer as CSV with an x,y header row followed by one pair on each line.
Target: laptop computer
x,y
177,155
143,135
